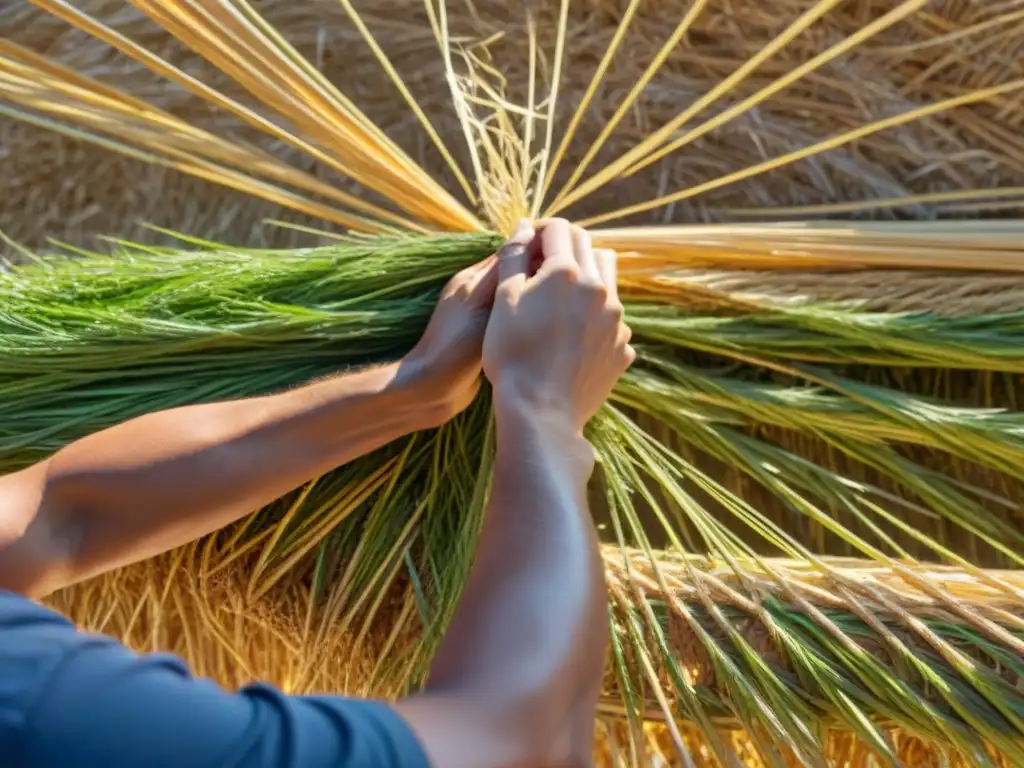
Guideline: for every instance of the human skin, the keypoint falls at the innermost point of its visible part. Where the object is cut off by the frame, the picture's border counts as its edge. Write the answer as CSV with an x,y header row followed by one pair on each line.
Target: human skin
x,y
516,679
524,656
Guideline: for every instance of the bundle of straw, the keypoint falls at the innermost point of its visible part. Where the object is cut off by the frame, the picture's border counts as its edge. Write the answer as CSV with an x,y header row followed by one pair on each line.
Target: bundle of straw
x,y
819,409
384,544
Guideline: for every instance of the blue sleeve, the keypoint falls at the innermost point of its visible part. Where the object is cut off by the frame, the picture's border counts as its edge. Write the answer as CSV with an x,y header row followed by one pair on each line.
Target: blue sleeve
x,y
70,700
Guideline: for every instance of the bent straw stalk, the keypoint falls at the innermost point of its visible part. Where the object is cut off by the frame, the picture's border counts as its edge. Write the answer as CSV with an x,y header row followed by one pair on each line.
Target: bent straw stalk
x,y
771,423
898,67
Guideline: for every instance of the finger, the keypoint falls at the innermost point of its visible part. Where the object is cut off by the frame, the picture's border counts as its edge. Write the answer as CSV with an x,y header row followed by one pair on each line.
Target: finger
x,y
514,255
607,266
484,282
624,352
483,265
466,279
623,336
584,252
539,224
557,248
472,273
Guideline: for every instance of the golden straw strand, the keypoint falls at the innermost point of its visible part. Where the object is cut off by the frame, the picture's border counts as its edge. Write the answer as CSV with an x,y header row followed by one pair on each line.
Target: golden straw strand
x,y
393,75
602,177
439,23
814,149
556,78
588,95
635,159
677,34
853,206
39,73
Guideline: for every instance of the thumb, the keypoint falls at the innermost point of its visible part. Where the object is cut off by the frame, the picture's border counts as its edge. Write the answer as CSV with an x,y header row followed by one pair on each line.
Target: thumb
x,y
484,283
514,255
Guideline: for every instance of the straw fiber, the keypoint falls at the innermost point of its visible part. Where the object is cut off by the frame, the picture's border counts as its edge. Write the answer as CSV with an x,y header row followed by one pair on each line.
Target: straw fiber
x,y
827,296
153,606
60,188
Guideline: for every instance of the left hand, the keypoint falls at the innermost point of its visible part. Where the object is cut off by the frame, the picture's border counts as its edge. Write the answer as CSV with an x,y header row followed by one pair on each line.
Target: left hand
x,y
444,367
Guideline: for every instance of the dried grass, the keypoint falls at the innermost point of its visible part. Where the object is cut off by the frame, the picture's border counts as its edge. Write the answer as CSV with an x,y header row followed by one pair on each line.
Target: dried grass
x,y
965,162
56,187
955,295
182,604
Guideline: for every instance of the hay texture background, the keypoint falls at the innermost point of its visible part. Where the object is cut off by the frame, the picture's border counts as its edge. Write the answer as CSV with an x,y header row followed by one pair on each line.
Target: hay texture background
x,y
61,188
54,187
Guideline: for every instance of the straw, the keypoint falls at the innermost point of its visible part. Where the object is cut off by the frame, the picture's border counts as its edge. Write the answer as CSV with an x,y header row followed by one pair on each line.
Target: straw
x,y
764,429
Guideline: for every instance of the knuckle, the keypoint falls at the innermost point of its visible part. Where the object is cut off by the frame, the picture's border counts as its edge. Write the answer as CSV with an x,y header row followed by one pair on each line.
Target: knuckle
x,y
556,221
580,234
460,287
615,310
512,251
628,356
566,273
510,248
594,290
461,278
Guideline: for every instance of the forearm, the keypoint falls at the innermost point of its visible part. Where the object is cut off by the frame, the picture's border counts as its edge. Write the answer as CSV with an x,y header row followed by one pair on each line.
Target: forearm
x,y
526,645
167,478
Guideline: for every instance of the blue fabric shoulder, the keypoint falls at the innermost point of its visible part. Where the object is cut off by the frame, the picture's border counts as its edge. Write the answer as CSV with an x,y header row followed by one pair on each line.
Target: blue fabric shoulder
x,y
73,700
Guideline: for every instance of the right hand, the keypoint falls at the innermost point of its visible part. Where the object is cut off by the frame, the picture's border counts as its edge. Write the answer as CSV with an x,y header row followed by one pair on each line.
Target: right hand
x,y
555,340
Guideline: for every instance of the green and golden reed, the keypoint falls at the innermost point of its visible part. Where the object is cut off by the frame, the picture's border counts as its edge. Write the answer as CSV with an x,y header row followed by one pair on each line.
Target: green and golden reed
x,y
808,484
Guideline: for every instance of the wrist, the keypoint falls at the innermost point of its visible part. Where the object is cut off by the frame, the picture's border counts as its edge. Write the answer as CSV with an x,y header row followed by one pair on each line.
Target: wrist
x,y
414,390
544,428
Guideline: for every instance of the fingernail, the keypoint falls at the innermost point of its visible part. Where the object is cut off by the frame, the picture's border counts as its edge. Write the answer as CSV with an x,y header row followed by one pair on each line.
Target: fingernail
x,y
523,232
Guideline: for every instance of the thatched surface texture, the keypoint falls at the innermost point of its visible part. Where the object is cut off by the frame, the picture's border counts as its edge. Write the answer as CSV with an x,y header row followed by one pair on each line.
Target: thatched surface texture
x,y
58,187
894,483
818,412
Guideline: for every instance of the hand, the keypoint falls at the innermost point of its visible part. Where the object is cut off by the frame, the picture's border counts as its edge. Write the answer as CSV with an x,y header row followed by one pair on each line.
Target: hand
x,y
443,369
556,339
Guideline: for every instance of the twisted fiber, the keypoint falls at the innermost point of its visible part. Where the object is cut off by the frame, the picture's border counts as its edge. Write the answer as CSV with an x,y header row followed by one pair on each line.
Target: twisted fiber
x,y
888,612
840,749
953,48
991,593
